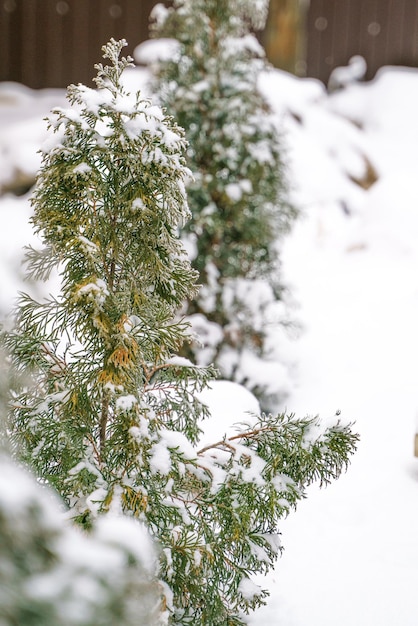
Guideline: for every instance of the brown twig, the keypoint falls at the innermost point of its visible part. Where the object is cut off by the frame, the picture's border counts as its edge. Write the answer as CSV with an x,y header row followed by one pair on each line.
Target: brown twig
x,y
225,442
103,423
93,443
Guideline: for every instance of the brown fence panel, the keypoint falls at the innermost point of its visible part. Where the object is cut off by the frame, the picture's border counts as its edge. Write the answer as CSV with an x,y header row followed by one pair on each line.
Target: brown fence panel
x,y
384,32
52,43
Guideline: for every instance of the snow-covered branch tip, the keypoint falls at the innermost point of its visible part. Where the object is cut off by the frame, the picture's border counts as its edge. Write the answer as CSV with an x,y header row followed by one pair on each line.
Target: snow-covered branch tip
x,y
108,76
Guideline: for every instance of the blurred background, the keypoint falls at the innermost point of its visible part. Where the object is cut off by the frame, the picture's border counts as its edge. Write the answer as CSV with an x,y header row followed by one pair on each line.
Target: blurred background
x,y
52,43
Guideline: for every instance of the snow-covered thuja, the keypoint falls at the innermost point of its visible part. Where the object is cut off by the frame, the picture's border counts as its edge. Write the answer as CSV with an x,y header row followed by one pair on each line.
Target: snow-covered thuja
x,y
111,416
238,198
51,573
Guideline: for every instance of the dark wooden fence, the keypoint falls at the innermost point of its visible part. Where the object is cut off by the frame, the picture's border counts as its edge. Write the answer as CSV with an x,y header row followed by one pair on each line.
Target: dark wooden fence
x,y
384,32
51,43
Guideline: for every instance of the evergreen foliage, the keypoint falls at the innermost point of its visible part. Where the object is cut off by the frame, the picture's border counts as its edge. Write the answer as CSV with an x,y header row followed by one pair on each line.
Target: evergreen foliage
x,y
51,573
111,416
238,198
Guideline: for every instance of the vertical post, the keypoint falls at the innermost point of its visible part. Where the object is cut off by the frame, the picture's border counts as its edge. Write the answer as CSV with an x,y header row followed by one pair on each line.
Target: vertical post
x,y
284,37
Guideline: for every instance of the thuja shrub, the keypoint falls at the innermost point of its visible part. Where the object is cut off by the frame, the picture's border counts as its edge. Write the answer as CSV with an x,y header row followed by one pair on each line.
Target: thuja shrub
x,y
239,196
111,415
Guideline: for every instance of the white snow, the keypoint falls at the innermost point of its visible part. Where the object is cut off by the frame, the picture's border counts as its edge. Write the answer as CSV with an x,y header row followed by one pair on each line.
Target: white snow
x,y
94,291
230,404
248,589
343,76
132,535
82,168
154,50
351,551
125,403
160,460
237,45
234,192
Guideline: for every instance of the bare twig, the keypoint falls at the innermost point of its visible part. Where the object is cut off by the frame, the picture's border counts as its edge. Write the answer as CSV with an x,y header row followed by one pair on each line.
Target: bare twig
x,y
103,423
225,442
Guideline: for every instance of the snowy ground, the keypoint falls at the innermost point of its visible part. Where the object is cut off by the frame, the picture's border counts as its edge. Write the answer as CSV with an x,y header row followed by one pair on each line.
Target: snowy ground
x,y
351,551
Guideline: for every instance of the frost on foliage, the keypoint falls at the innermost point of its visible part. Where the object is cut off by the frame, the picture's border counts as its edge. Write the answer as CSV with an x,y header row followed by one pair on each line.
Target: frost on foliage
x,y
239,194
109,413
51,573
